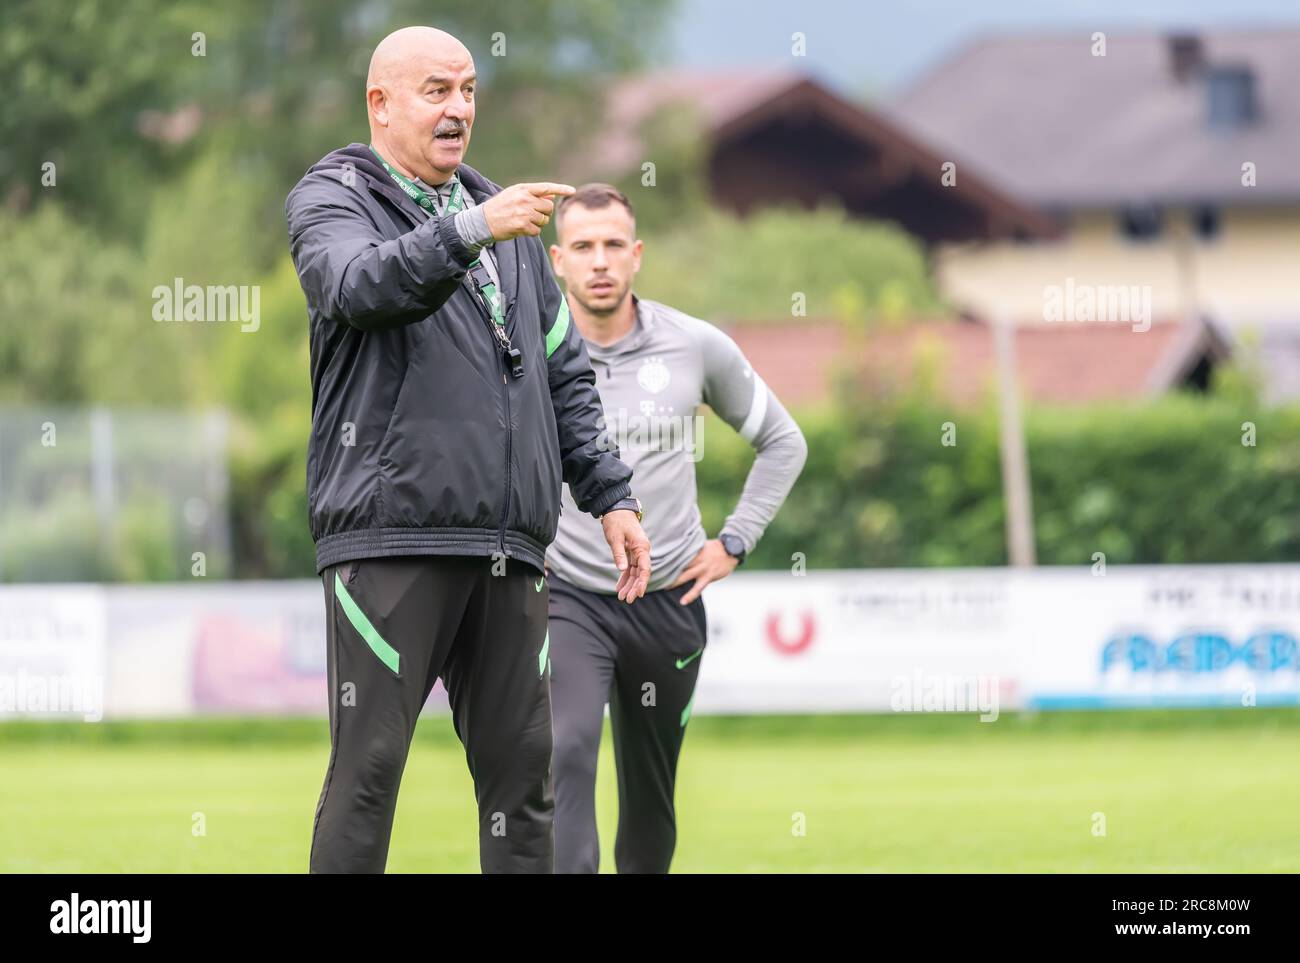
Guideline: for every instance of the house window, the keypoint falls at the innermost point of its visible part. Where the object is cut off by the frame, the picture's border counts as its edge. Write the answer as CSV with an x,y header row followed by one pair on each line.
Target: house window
x,y
1141,223
1233,103
1205,223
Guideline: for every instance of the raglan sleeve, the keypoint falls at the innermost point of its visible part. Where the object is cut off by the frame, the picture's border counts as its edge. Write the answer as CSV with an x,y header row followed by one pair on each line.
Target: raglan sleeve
x,y
734,390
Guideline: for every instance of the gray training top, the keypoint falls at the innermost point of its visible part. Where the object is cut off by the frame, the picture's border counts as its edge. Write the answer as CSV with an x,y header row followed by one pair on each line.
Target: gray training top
x,y
651,381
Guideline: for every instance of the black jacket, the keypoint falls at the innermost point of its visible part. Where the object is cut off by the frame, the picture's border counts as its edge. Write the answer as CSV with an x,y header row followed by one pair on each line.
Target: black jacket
x,y
421,442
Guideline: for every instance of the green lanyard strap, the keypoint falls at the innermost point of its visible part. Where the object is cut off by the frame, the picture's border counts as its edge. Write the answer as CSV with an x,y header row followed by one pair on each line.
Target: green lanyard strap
x,y
455,204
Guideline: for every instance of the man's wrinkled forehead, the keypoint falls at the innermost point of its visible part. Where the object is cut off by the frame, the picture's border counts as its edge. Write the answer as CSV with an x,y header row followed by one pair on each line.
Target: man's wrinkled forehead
x,y
450,71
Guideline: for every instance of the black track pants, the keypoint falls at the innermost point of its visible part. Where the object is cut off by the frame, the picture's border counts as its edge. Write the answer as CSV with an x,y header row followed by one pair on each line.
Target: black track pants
x,y
643,659
395,625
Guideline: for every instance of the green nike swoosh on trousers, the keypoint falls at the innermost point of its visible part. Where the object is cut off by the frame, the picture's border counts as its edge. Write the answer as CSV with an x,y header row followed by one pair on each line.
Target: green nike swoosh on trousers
x,y
683,663
538,586
387,654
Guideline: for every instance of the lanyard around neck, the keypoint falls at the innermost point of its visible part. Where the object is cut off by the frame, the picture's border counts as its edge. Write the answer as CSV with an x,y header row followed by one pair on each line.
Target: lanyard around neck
x,y
417,195
487,288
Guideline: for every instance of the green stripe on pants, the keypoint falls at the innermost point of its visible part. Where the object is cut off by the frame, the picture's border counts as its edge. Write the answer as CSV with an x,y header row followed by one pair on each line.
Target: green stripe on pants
x,y
387,654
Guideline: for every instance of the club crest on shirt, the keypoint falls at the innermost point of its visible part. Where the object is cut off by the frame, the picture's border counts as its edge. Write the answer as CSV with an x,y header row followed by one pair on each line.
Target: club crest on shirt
x,y
653,375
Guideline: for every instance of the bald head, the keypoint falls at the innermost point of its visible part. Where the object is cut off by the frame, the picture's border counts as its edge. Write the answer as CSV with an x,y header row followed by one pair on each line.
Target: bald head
x,y
420,98
402,49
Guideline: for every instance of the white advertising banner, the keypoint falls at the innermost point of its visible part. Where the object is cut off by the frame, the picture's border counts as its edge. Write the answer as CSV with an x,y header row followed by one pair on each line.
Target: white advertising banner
x,y
52,652
228,648
979,639
974,640
853,641
1162,636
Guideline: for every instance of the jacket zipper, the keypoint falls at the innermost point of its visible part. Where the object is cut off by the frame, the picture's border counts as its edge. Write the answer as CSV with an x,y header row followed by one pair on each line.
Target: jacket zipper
x,y
510,433
505,385
505,392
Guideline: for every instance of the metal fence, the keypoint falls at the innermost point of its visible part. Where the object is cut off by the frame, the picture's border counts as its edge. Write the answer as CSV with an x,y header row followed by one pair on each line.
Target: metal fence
x,y
113,495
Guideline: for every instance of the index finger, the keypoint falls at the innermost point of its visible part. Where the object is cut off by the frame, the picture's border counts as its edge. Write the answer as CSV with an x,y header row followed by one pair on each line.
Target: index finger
x,y
643,571
543,188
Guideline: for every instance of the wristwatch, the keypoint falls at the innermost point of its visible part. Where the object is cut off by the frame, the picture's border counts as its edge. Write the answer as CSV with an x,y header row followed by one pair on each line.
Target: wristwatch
x,y
631,503
734,547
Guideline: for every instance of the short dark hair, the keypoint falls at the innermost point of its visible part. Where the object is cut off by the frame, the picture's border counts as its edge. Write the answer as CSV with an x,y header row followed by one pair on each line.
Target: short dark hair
x,y
593,196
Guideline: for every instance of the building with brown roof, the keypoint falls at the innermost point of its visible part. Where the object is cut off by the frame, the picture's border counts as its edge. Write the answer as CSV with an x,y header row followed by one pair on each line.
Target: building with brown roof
x,y
1157,164
1058,364
777,136
1167,159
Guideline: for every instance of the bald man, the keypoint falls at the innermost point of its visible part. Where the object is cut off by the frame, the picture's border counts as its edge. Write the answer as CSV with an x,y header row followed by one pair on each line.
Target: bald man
x,y
451,399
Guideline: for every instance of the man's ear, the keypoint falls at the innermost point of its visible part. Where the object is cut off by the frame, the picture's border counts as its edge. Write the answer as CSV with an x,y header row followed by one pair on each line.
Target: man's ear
x,y
557,260
637,248
377,102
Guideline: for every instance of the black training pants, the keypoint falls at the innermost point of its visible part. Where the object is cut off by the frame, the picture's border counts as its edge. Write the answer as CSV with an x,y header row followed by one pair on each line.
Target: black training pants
x,y
643,659
395,625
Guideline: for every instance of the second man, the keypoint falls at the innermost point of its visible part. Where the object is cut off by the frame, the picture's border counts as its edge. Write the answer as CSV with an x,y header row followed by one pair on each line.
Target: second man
x,y
654,367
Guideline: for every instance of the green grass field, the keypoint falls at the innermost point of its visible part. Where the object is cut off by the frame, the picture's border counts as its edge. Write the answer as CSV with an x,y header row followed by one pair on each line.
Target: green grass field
x,y
1182,791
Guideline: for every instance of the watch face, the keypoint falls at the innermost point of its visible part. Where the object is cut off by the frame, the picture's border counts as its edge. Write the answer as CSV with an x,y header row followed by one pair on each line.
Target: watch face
x,y
734,546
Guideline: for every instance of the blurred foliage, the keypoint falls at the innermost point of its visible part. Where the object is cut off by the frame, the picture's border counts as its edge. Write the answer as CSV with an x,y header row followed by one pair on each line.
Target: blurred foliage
x,y
721,267
77,317
670,187
277,86
117,495
1168,481
170,165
